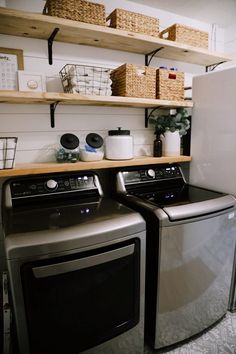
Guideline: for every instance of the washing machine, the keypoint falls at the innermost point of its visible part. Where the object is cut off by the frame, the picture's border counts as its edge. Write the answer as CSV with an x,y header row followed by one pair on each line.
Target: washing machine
x,y
76,264
191,235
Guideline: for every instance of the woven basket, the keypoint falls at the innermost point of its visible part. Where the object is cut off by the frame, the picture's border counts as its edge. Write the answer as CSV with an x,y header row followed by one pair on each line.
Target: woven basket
x,y
77,10
186,35
170,85
134,22
134,81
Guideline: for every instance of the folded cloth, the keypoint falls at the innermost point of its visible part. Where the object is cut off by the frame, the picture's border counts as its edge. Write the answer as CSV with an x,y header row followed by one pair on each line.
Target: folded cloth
x,y
75,80
88,71
92,91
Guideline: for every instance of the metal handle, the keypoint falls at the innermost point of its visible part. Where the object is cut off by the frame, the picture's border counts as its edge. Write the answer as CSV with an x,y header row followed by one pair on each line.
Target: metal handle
x,y
71,266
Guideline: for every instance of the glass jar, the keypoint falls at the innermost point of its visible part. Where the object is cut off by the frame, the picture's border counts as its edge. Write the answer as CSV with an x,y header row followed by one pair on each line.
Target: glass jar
x,y
68,150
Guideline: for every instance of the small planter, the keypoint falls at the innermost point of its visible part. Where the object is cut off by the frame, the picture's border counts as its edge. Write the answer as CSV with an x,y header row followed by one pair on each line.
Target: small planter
x,y
171,143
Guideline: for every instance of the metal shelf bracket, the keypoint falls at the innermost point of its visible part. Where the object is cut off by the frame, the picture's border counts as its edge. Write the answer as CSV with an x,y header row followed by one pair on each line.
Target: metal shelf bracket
x,y
50,43
151,55
52,113
147,63
213,66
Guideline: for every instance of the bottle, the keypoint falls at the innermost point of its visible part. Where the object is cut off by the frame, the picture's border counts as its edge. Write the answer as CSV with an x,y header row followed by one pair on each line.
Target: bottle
x,y
157,146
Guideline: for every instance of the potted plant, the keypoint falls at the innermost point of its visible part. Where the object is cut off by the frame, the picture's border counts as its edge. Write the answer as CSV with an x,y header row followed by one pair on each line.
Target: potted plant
x,y
172,126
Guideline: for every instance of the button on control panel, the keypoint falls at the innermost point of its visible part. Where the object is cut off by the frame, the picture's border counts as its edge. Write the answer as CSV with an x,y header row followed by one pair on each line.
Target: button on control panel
x,y
51,184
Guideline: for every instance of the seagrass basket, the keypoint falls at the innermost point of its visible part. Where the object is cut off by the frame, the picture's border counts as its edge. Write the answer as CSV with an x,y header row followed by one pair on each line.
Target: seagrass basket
x,y
134,81
134,22
186,35
77,10
170,85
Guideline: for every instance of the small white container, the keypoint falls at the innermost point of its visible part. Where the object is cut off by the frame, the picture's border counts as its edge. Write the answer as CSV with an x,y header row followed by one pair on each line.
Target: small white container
x,y
119,145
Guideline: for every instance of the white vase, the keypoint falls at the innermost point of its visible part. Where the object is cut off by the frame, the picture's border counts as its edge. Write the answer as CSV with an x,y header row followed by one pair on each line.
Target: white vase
x,y
171,143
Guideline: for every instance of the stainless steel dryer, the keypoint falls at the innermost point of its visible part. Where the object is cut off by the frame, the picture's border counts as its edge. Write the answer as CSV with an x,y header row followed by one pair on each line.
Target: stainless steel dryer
x,y
191,235
76,266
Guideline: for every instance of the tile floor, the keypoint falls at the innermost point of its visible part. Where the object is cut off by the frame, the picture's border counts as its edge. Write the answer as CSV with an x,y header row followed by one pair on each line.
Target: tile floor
x,y
221,339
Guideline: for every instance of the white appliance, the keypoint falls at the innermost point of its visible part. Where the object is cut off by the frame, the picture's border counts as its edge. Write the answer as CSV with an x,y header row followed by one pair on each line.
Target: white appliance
x,y
213,138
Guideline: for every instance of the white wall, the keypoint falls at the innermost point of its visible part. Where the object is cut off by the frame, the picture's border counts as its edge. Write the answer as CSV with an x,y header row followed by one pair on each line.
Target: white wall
x,y
31,123
230,44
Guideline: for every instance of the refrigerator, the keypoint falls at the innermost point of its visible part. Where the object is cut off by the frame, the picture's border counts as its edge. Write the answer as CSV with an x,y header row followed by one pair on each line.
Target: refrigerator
x,y
213,137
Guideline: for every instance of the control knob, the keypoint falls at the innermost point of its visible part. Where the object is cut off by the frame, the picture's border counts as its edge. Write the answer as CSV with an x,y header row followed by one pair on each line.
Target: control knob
x,y
151,173
51,184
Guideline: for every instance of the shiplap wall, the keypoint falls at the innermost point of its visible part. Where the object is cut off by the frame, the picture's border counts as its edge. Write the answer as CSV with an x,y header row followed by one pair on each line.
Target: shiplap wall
x,y
31,123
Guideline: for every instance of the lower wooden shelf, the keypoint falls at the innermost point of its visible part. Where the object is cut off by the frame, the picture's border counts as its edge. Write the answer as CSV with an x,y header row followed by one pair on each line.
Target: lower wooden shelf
x,y
38,168
24,97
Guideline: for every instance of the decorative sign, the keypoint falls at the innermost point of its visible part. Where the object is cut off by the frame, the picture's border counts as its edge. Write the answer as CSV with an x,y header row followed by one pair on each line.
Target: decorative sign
x,y
11,60
31,81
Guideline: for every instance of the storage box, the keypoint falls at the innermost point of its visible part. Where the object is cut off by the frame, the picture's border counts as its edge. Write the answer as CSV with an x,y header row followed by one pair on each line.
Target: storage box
x,y
170,85
186,35
134,22
77,10
134,81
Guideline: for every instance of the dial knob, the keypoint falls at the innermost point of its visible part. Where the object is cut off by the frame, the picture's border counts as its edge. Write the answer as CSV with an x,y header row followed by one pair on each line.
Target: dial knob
x,y
151,173
51,184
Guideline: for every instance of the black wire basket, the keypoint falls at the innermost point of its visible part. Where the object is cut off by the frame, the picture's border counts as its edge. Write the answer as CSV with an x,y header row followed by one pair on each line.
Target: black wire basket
x,y
7,152
86,80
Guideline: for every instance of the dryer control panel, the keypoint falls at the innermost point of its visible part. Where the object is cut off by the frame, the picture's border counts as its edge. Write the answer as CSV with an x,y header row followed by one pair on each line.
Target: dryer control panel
x,y
151,174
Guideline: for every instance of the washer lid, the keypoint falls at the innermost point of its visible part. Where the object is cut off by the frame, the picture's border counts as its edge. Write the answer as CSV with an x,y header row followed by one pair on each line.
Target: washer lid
x,y
58,229
201,208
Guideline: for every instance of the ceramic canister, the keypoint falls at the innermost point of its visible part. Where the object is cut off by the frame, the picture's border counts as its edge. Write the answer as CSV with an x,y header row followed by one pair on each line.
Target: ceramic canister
x,y
119,145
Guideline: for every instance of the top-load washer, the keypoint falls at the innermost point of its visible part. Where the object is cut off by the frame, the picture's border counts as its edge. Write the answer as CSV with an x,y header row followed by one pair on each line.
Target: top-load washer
x,y
76,266
191,235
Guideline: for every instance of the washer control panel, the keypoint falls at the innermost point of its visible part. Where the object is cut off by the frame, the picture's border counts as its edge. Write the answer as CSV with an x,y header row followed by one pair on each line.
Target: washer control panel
x,y
151,174
51,185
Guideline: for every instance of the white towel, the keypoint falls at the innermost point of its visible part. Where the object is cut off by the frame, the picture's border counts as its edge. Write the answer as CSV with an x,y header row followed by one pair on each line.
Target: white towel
x,y
75,80
88,71
92,91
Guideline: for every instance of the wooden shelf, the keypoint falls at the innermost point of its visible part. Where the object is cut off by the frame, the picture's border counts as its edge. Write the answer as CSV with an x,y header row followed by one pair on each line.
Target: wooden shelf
x,y
32,169
76,99
34,25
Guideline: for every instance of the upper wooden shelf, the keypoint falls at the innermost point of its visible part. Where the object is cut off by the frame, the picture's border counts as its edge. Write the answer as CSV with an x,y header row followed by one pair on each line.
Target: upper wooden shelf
x,y
34,25
71,99
32,169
